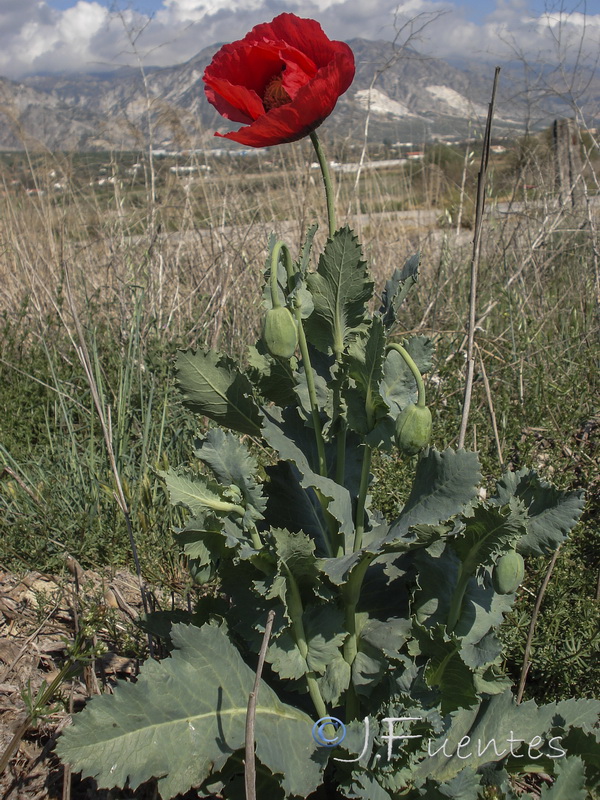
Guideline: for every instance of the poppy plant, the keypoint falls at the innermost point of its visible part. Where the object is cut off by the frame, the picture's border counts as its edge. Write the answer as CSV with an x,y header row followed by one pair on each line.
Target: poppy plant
x,y
281,80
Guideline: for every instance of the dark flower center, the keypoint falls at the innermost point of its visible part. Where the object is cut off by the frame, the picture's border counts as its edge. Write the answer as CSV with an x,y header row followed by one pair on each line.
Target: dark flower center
x,y
275,95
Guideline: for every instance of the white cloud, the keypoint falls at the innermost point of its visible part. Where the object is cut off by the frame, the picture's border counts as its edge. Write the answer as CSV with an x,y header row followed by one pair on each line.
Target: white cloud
x,y
35,37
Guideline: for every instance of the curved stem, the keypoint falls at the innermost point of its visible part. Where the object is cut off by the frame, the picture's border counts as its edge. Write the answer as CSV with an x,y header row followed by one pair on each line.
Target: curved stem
x,y
255,536
279,247
326,180
413,368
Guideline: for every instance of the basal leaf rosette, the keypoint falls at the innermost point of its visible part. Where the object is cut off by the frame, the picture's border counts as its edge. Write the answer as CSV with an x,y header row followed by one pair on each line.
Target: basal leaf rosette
x,y
282,80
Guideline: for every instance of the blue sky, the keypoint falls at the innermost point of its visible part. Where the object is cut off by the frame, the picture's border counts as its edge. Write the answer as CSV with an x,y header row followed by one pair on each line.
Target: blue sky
x,y
92,35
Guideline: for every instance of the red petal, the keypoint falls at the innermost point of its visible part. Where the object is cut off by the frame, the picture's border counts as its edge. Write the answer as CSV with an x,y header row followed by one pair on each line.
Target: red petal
x,y
242,105
306,35
236,79
299,69
312,104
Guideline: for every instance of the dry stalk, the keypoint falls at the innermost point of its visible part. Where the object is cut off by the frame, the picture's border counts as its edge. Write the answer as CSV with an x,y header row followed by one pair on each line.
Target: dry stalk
x,y
532,624
488,394
481,181
250,762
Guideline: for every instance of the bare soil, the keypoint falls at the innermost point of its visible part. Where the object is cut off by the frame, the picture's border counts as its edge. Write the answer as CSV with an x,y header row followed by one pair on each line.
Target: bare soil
x,y
39,617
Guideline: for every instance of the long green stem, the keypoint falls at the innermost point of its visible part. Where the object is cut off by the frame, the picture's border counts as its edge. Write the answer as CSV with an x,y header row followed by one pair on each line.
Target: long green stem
x,y
327,181
341,434
296,610
359,527
457,598
281,248
351,598
340,455
413,368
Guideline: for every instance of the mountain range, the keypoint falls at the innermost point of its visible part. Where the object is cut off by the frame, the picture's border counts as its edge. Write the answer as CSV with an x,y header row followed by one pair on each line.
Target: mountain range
x,y
409,97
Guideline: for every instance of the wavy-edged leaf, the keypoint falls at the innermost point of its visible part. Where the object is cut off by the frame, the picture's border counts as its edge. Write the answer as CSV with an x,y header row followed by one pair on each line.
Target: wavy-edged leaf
x,y
364,786
551,513
465,786
341,289
292,507
212,386
281,436
335,680
233,464
444,483
397,288
339,569
569,781
231,779
445,669
491,726
184,718
302,392
379,643
324,635
482,608
586,745
365,366
295,558
196,493
273,377
486,533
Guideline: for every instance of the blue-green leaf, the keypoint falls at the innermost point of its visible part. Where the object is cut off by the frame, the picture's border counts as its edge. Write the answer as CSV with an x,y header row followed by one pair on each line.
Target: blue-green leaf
x,y
233,464
212,386
184,718
365,367
551,513
341,289
277,434
444,484
569,781
273,377
397,288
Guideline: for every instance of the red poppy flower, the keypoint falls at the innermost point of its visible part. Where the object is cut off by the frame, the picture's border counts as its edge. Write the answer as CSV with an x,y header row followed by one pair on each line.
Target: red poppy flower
x,y
282,80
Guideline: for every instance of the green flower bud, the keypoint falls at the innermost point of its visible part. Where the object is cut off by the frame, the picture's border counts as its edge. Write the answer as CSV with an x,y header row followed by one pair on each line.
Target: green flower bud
x,y
280,333
413,429
200,573
508,573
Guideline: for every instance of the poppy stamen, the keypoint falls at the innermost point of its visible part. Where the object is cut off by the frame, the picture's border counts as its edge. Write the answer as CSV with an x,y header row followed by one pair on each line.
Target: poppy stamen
x,y
275,95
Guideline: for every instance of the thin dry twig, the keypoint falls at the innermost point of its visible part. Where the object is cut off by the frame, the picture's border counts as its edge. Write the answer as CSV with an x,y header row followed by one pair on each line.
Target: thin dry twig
x,y
34,495
488,394
532,624
250,763
481,181
24,649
